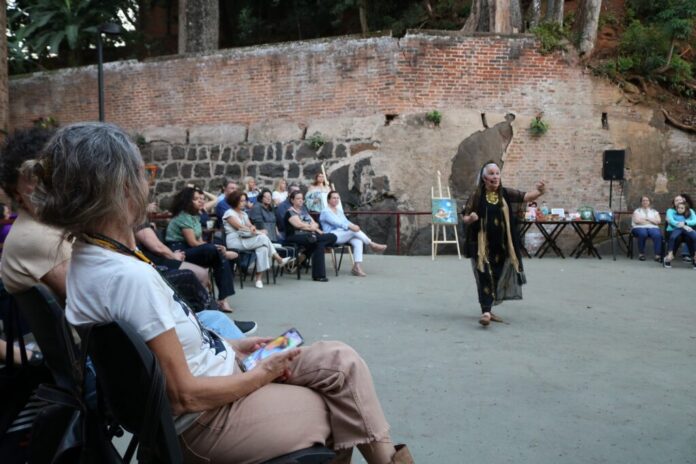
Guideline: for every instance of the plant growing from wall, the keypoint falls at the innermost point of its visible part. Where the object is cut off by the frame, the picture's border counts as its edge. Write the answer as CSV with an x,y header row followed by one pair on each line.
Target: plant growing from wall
x,y
434,117
538,126
317,140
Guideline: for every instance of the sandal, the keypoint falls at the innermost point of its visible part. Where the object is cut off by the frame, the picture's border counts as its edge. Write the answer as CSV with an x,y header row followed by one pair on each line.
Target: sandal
x,y
496,318
485,319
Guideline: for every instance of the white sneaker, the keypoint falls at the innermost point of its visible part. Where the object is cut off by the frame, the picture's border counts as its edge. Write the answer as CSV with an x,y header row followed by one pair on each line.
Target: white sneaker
x,y
258,284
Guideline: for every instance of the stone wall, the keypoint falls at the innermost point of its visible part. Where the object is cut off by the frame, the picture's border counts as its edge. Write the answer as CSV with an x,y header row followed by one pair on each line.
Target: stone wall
x,y
255,109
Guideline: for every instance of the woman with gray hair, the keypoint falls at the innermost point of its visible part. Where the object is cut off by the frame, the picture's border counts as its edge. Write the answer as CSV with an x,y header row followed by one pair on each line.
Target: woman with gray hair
x,y
492,240
92,184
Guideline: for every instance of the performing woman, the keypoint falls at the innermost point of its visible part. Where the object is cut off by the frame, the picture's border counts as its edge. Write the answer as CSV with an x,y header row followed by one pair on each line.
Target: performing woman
x,y
492,240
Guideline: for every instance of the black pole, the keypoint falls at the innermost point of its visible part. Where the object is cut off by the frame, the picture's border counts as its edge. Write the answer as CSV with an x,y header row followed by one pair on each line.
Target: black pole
x,y
100,76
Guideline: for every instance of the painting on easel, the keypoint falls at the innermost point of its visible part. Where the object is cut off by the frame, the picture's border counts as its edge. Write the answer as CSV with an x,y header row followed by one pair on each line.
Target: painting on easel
x,y
444,211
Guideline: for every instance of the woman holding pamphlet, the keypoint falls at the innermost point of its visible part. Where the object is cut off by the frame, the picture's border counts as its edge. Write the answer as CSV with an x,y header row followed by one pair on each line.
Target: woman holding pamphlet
x,y
322,393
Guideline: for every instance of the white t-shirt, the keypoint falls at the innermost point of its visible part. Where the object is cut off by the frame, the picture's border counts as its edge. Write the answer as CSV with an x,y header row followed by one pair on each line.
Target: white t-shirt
x,y
645,214
104,285
279,197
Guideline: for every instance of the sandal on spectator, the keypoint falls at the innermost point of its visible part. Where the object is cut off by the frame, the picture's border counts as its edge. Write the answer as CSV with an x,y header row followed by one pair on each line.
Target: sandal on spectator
x,y
224,307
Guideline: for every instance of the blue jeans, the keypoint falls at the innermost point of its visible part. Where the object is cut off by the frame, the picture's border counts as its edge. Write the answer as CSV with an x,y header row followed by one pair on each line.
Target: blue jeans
x,y
688,237
643,233
220,324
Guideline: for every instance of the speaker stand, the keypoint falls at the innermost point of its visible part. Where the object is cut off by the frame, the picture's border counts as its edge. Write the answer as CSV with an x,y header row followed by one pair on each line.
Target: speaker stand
x,y
612,232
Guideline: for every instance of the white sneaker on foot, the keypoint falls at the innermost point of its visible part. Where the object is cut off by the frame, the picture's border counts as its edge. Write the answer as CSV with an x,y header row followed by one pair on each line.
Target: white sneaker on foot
x,y
259,284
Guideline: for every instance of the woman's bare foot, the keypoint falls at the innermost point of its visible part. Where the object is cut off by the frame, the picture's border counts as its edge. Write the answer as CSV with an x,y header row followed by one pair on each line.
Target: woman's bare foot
x,y
377,247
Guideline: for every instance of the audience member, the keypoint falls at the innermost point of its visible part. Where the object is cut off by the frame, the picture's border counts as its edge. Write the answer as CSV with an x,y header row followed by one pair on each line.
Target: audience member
x,y
333,220
317,193
241,234
328,395
263,216
645,223
251,190
184,232
7,216
680,223
302,230
280,211
280,192
222,206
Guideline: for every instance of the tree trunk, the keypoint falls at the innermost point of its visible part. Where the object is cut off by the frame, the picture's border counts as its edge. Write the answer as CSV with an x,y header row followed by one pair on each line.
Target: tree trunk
x,y
557,16
502,16
4,85
534,13
362,6
586,24
199,25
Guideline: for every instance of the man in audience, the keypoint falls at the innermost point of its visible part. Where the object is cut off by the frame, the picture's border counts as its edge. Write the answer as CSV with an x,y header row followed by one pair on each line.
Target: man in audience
x,y
222,206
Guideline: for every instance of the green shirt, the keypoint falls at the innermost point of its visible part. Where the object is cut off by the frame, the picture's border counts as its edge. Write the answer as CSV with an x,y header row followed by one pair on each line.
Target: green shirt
x,y
180,222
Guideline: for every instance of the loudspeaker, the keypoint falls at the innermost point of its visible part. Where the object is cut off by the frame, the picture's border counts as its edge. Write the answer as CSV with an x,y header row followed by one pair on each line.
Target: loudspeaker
x,y
613,164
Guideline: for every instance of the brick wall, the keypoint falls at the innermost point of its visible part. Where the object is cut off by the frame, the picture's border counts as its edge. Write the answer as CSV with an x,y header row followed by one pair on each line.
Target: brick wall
x,y
305,80
310,84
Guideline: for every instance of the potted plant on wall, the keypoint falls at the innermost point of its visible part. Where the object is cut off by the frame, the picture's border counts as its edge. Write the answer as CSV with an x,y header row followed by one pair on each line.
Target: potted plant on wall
x,y
538,126
434,117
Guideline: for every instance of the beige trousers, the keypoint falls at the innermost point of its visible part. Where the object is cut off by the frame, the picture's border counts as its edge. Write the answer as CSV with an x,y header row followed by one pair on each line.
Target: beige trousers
x,y
329,399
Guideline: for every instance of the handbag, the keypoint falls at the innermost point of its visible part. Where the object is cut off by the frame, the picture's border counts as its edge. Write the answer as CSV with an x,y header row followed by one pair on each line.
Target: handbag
x,y
310,237
245,234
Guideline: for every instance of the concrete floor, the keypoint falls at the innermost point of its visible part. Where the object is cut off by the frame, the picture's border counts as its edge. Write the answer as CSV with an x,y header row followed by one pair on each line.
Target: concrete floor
x,y
595,365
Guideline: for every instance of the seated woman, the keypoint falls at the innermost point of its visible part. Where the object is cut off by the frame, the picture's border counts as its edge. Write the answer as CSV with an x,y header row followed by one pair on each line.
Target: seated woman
x,y
645,223
184,233
242,235
301,229
333,220
681,221
251,190
317,193
222,414
263,216
280,192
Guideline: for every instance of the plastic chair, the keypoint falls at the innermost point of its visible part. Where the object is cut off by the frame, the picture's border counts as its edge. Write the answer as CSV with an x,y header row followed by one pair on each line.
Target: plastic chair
x,y
139,401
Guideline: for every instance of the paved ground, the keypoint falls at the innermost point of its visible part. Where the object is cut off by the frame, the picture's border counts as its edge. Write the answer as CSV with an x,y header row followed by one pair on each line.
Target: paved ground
x,y
595,365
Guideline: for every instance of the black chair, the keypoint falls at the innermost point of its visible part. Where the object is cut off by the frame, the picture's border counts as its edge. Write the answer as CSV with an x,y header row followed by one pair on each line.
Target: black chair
x,y
139,401
333,249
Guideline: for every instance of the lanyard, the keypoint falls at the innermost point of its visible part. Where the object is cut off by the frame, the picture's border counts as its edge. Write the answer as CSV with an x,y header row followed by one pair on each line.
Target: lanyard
x,y
113,245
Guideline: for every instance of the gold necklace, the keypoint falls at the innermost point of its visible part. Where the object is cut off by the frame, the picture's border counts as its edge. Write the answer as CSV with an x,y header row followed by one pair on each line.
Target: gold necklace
x,y
492,197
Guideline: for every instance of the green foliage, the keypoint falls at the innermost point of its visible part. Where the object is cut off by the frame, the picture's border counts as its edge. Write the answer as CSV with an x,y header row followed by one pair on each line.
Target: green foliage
x,y
538,126
39,29
317,140
434,117
46,122
552,37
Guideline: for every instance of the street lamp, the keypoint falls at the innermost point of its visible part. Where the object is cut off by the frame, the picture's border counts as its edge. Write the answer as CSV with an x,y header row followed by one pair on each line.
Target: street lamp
x,y
110,29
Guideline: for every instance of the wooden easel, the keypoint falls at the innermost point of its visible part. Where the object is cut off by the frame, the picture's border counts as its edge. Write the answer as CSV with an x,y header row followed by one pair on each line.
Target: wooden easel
x,y
439,231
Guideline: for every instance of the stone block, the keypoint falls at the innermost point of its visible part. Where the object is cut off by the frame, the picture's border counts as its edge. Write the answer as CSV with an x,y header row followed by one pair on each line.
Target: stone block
x,y
251,170
326,151
164,187
274,131
226,154
160,152
191,154
171,170
219,169
215,153
203,153
272,170
293,171
278,151
222,134
258,153
186,170
305,152
310,169
202,170
269,153
243,154
178,152
341,151
171,134
344,128
290,152
233,171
